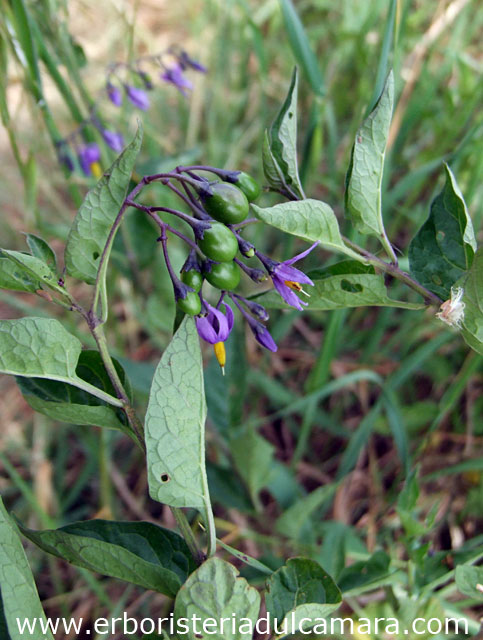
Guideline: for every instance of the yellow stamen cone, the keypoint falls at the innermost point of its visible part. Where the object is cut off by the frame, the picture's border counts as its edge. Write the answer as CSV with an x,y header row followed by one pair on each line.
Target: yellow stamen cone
x,y
296,287
220,354
96,169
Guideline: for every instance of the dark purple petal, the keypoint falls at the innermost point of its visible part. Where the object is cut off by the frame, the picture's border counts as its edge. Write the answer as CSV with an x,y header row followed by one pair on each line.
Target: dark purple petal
x,y
220,324
263,336
84,163
301,255
287,294
174,75
114,94
138,97
230,318
292,274
88,154
206,331
113,140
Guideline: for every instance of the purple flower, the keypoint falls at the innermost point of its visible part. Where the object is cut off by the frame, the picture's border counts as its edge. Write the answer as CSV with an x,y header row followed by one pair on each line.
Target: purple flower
x,y
215,329
186,61
216,326
287,278
114,94
88,154
174,75
138,97
113,140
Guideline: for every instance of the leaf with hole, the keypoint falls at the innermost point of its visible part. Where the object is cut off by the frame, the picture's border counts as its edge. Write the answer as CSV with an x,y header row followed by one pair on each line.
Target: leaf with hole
x,y
342,291
42,348
280,157
364,176
19,598
311,220
66,403
90,234
213,592
443,249
298,594
138,552
175,424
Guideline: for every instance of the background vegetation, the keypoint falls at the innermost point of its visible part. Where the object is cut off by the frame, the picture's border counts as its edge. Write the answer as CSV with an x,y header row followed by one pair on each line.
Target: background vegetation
x,y
320,473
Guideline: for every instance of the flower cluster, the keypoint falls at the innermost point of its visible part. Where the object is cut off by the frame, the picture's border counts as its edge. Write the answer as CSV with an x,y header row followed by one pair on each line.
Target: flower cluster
x,y
218,212
130,80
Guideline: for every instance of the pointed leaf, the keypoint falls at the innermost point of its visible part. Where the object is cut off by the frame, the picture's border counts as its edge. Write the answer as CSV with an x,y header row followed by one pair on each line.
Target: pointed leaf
x,y
215,592
283,139
66,403
364,177
443,249
40,249
300,590
175,424
138,552
18,593
473,299
90,233
309,219
469,581
271,169
42,348
253,457
16,278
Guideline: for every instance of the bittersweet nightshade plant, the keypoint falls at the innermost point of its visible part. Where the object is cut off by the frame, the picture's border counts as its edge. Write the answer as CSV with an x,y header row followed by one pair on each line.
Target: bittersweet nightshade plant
x,y
89,156
174,75
215,327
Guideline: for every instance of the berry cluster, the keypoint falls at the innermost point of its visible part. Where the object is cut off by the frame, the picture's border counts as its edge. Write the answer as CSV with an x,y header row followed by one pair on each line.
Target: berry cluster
x,y
218,213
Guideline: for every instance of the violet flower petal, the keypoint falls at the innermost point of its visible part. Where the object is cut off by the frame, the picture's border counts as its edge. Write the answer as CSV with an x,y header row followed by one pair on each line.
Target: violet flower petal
x,y
287,294
205,330
138,97
301,255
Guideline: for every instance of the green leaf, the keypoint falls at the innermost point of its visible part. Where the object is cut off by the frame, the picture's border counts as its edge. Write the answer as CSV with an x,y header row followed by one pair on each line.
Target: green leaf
x,y
41,250
64,402
15,278
301,48
443,249
364,177
90,234
42,348
138,552
473,299
26,52
311,220
365,575
215,592
469,581
300,589
283,142
35,270
175,424
253,457
18,593
271,169
342,291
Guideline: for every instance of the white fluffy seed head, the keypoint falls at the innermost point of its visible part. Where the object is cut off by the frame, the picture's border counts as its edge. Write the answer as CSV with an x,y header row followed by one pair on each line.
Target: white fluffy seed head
x,y
452,311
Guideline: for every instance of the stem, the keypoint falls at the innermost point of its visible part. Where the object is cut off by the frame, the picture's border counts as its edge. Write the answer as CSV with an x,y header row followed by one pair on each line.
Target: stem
x,y
187,533
393,270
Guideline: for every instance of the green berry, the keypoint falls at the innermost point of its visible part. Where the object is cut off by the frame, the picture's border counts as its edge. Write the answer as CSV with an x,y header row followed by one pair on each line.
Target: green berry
x,y
226,203
223,275
249,186
191,304
193,279
219,243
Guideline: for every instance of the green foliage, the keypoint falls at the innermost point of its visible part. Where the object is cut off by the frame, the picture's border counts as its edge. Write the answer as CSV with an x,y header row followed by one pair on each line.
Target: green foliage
x,y
364,177
469,581
301,589
137,552
280,147
42,348
253,457
308,219
215,591
41,250
473,300
443,249
18,593
91,233
30,269
175,424
64,402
